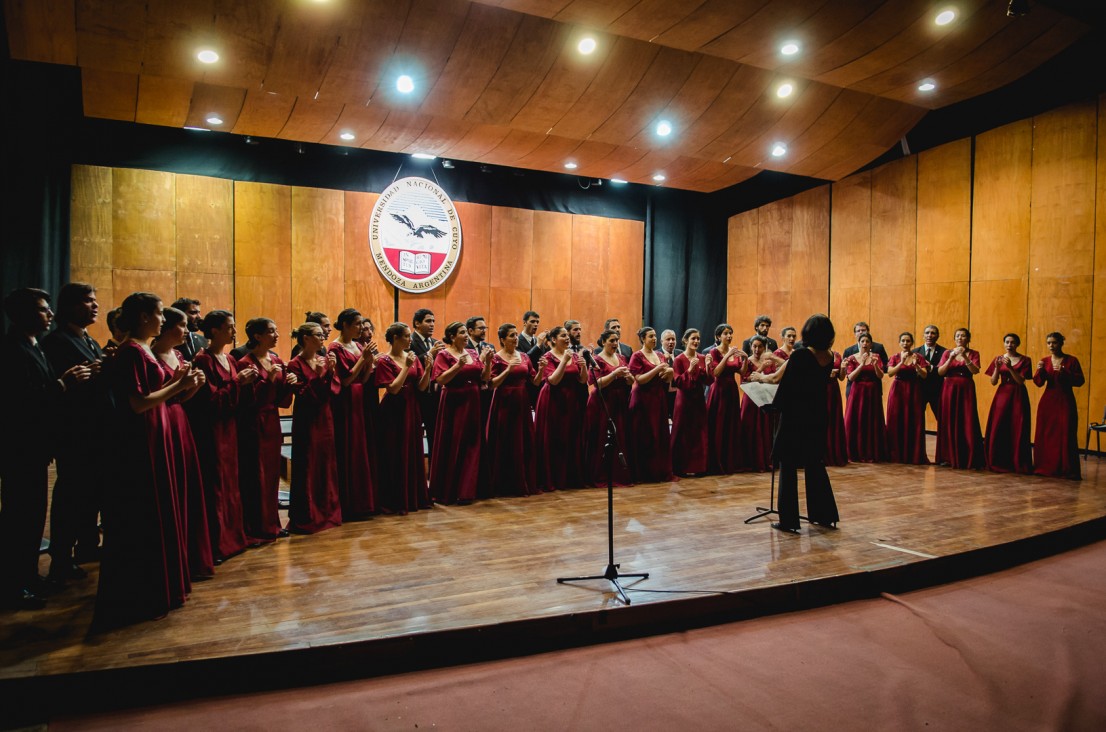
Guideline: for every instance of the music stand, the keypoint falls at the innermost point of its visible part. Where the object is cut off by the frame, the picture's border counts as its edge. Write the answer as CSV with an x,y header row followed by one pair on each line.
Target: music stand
x,y
762,396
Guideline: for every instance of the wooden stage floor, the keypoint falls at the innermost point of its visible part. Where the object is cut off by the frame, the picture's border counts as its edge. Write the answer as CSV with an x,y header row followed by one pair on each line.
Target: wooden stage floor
x,y
494,563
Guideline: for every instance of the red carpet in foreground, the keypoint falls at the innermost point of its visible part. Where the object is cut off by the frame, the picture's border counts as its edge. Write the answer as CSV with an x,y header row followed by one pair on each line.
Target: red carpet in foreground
x,y
1023,649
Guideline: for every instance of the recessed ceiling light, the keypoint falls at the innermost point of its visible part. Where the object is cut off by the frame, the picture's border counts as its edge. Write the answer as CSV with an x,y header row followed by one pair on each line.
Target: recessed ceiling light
x,y
215,120
785,90
405,84
945,17
789,48
779,150
423,156
586,45
664,128
348,136
618,180
570,165
197,129
658,177
207,56
927,85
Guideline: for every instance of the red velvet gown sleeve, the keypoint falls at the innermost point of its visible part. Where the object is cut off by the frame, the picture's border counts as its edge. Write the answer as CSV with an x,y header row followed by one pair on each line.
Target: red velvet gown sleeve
x,y
455,464
1006,445
510,431
1056,439
689,419
315,505
906,416
959,437
724,415
356,479
259,444
558,417
402,474
652,447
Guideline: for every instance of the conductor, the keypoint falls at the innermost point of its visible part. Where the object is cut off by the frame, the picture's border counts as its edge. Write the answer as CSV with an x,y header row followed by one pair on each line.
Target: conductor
x,y
801,437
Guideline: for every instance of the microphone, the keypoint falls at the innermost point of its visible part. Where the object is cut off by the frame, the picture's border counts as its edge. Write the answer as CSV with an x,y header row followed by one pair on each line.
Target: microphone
x,y
589,358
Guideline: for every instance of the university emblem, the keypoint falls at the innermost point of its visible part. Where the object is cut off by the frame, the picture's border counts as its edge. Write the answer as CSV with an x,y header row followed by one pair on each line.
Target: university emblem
x,y
415,235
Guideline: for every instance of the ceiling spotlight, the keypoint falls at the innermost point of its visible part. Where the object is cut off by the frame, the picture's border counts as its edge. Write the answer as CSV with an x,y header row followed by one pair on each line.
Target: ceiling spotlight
x,y
196,129
586,45
927,85
618,181
251,141
215,120
423,156
789,48
945,17
785,90
405,84
347,136
207,56
779,150
447,164
658,177
570,165
1017,8
664,128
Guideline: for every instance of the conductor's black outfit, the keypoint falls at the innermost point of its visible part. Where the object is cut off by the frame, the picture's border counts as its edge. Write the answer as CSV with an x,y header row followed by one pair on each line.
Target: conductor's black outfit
x,y
801,440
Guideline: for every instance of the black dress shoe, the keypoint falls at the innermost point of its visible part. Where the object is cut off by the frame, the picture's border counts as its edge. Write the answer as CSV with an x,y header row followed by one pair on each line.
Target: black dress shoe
x,y
282,534
780,527
24,600
65,571
825,524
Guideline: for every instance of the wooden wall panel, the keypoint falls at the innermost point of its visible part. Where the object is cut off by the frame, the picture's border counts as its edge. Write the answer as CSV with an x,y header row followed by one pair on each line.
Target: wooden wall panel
x,y
552,252
552,305
1001,202
90,217
1061,304
894,223
741,270
143,220
892,312
1096,368
626,306
590,263
627,258
365,288
944,213
512,249
467,292
805,303
774,247
215,292
810,238
267,296
851,234
204,224
997,308
849,305
317,264
776,305
162,283
945,304
262,229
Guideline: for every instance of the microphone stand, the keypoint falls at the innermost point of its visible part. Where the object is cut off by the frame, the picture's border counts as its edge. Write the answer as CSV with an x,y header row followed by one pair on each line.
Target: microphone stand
x,y
610,450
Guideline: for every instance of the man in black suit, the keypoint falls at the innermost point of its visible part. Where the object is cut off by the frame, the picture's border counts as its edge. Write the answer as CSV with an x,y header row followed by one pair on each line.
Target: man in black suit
x,y
193,341
761,326
478,333
30,393
528,337
426,347
623,349
877,348
931,351
82,448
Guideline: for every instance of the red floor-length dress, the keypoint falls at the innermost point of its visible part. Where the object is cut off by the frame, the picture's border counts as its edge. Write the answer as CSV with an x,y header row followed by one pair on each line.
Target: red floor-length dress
x,y
314,503
689,416
837,445
906,419
1006,445
617,398
189,482
144,569
259,443
959,439
512,469
213,413
652,441
455,466
757,430
559,428
356,476
1056,444
724,415
865,430
400,468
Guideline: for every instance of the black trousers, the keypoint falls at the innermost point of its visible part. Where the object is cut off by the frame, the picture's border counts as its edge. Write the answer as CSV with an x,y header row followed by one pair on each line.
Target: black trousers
x,y
22,519
820,504
75,505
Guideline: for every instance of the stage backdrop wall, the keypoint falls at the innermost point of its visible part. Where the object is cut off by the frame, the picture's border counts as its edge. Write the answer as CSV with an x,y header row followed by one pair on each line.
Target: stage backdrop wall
x,y
261,249
1002,232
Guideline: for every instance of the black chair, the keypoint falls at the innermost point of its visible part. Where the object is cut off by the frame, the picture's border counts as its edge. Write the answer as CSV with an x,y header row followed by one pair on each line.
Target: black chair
x,y
1098,428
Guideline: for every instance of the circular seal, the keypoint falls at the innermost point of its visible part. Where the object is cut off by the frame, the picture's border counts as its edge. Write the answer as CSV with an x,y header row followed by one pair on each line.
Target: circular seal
x,y
415,235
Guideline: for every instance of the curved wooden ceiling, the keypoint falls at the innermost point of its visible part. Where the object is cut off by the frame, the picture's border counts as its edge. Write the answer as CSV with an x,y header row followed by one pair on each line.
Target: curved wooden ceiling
x,y
501,82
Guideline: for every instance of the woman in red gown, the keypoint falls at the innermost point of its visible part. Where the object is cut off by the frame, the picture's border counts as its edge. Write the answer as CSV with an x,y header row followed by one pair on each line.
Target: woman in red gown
x,y
724,404
259,436
509,446
1057,449
651,440
354,366
185,462
906,419
865,429
692,376
558,416
757,424
144,569
455,463
213,414
612,380
314,505
787,343
837,445
959,439
1006,445
401,376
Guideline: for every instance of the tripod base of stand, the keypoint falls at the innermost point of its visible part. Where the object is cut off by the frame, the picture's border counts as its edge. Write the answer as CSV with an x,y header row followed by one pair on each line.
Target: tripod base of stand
x,y
611,575
763,512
